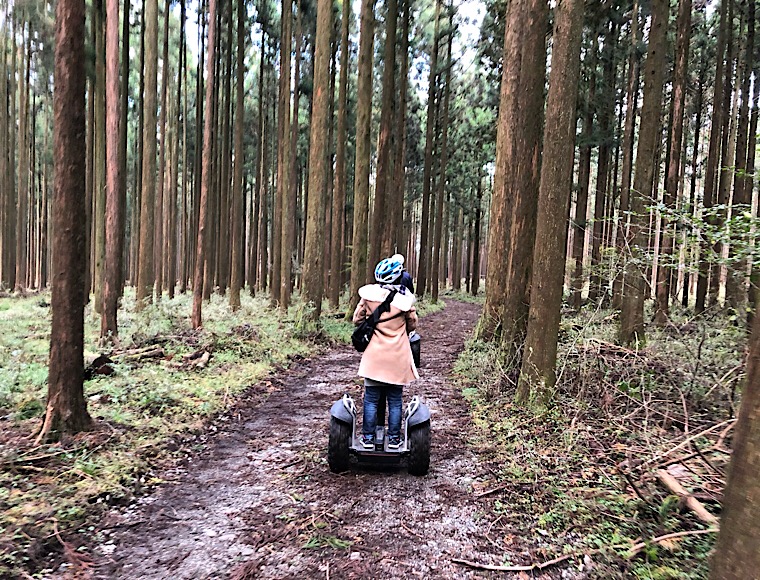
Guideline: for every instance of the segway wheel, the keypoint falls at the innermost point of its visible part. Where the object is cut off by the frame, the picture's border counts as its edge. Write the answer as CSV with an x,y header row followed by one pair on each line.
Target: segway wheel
x,y
337,449
419,449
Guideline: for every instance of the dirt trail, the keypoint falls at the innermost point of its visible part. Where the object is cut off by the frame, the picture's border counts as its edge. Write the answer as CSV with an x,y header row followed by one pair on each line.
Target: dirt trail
x,y
260,502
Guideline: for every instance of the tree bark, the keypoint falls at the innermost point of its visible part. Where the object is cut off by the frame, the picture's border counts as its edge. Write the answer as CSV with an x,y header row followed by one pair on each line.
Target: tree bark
x,y
537,374
736,555
146,273
158,209
629,128
361,166
23,169
603,196
632,313
339,187
584,173
114,217
318,148
515,189
288,245
205,176
237,179
439,218
427,171
742,200
283,150
673,176
379,236
66,406
713,152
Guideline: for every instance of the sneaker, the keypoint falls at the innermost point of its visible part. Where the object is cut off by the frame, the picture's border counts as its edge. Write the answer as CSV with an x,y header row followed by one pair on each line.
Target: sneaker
x,y
394,442
367,441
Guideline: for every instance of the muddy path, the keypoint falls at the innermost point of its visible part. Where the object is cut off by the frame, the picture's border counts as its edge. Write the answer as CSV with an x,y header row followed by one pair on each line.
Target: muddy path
x,y
260,501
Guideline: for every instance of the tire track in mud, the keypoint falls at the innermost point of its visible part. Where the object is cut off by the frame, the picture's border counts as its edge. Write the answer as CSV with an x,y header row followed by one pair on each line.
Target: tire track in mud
x,y
260,502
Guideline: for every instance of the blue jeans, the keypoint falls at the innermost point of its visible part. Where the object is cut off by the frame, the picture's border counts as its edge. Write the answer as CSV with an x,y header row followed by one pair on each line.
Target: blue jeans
x,y
373,393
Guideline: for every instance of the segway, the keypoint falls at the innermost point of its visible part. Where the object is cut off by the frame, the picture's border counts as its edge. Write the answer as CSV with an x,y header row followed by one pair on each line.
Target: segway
x,y
344,440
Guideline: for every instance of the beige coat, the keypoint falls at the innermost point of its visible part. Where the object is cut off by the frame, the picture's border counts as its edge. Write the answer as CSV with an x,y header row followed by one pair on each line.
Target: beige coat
x,y
388,357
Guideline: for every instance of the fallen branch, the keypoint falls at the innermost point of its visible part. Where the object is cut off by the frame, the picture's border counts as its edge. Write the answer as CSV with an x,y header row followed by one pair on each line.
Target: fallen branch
x,y
689,500
635,549
685,442
141,354
490,491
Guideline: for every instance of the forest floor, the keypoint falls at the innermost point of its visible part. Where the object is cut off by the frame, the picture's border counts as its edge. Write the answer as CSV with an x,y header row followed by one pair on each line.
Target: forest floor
x,y
246,492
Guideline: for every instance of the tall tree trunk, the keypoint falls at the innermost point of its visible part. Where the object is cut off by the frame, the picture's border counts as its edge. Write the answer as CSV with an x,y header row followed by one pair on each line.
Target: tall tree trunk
x,y
205,176
584,172
288,246
159,241
339,187
437,234
688,276
673,176
124,109
99,160
475,277
283,149
713,151
399,179
742,200
146,273
516,180
537,374
11,184
427,171
725,175
66,406
223,214
736,555
361,165
318,149
632,312
603,196
23,168
379,235
237,179
114,216
632,97
259,237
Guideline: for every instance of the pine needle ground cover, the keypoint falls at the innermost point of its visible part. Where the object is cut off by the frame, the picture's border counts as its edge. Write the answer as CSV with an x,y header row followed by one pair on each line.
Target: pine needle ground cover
x,y
169,387
584,480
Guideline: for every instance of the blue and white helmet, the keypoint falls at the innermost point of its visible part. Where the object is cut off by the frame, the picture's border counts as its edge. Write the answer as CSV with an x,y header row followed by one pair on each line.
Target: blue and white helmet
x,y
388,270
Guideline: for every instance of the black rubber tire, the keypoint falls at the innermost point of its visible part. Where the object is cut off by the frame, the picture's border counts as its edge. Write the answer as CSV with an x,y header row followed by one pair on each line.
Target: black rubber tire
x,y
337,448
419,449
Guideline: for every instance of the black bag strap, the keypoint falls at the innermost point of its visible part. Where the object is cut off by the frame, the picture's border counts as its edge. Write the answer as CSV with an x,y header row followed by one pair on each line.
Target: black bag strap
x,y
384,306
391,317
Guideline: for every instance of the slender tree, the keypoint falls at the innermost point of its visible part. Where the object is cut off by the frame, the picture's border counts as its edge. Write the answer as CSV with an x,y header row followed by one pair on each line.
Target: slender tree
x,y
713,152
283,149
145,278
632,313
427,170
361,166
318,150
66,406
237,179
379,234
205,176
339,187
114,217
444,152
158,209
